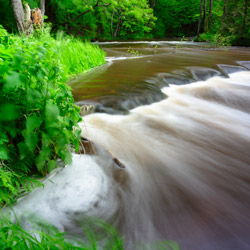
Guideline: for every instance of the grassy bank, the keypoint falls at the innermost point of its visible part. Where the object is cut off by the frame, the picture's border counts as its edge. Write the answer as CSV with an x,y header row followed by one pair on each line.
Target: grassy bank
x,y
38,118
37,113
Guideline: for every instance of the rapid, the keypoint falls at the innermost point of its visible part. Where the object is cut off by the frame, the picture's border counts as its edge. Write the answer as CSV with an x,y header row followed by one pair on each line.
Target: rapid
x,y
180,125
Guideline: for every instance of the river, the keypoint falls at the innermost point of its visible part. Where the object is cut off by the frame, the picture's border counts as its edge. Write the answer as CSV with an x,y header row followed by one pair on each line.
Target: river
x,y
177,116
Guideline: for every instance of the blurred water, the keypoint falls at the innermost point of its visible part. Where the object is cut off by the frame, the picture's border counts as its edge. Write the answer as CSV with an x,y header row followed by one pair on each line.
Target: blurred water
x,y
188,164
184,141
136,71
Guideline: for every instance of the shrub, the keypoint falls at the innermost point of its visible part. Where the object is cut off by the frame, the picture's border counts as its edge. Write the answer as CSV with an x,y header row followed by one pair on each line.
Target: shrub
x,y
38,118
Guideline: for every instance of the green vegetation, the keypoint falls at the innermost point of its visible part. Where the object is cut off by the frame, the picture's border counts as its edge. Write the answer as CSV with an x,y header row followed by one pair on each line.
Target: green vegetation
x,y
37,114
222,22
176,17
110,19
133,53
98,235
225,22
38,120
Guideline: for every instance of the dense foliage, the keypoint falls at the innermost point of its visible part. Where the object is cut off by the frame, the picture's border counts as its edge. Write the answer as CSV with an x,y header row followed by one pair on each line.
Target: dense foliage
x,y
103,18
38,120
223,22
176,17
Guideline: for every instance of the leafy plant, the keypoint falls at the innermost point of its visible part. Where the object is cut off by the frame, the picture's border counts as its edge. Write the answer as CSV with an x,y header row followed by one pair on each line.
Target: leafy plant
x,y
218,40
36,109
38,118
133,52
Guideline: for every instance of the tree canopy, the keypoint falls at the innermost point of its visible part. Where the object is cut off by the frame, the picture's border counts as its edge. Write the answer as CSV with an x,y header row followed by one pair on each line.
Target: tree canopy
x,y
132,19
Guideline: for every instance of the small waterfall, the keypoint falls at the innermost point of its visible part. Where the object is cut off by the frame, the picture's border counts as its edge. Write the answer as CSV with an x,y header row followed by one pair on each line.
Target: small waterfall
x,y
188,164
186,176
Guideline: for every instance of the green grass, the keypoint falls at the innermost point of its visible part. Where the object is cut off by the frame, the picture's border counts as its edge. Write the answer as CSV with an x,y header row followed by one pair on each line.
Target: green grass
x,y
98,235
75,56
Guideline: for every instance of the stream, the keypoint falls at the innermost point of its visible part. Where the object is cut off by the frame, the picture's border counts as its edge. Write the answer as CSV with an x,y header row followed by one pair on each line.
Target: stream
x,y
177,116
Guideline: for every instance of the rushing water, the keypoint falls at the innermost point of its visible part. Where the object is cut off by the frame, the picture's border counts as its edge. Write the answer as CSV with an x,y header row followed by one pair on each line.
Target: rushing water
x,y
186,153
123,83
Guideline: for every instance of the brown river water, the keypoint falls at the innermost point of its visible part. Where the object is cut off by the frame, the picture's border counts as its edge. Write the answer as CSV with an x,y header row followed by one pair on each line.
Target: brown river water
x,y
177,116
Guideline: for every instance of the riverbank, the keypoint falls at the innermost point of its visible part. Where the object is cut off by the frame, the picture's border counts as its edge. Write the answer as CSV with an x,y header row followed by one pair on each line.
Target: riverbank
x,y
38,118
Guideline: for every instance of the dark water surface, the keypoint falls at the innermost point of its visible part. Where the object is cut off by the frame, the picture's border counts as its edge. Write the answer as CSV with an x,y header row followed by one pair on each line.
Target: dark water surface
x,y
135,72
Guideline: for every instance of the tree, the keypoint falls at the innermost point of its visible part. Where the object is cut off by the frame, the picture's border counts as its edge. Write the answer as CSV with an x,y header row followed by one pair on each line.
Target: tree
x,y
109,18
244,18
208,19
23,19
200,20
131,19
42,8
19,14
225,8
205,13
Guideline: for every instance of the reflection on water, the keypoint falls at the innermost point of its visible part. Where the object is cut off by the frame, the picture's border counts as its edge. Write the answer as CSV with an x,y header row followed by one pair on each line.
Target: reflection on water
x,y
128,80
187,159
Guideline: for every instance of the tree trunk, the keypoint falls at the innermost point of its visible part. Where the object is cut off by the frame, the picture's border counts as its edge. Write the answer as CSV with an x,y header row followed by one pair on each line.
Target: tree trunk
x,y
199,25
225,8
42,8
19,14
111,24
27,20
117,27
244,18
205,14
209,16
36,18
210,8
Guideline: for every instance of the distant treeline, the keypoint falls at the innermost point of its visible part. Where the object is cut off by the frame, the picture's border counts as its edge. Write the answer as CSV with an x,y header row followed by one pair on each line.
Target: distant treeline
x,y
223,21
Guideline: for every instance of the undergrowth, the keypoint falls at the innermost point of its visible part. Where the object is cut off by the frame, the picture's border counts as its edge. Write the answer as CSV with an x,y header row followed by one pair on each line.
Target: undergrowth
x,y
38,122
217,39
38,118
98,235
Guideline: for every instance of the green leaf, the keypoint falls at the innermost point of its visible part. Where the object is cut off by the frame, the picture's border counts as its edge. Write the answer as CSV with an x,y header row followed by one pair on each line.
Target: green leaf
x,y
45,140
8,112
66,156
23,150
4,152
33,96
42,158
31,140
52,165
3,137
12,81
51,113
32,123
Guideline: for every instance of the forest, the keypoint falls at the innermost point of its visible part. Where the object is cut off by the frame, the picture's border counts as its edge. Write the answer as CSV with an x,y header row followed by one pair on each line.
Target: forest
x,y
220,21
